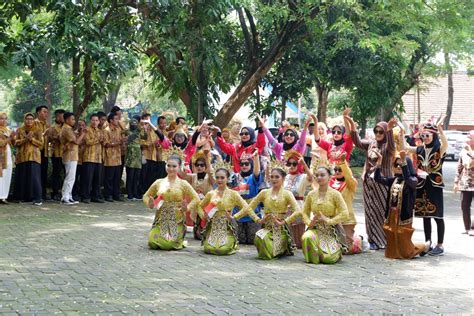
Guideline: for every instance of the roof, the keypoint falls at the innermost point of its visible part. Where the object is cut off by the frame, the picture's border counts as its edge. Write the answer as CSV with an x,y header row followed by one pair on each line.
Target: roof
x,y
434,99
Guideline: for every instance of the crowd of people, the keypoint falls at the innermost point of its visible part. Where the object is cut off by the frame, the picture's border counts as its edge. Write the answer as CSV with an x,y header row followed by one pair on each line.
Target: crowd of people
x,y
244,185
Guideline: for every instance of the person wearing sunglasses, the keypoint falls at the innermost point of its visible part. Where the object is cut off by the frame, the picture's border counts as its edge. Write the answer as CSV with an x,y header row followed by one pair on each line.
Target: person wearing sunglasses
x,y
248,142
401,201
344,182
202,181
429,194
375,194
341,143
291,140
299,178
247,184
220,233
274,239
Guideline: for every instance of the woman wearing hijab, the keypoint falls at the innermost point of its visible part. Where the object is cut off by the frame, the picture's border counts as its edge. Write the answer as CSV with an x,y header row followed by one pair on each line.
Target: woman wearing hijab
x,y
299,178
247,184
399,217
429,193
291,140
6,163
29,142
248,142
341,143
375,194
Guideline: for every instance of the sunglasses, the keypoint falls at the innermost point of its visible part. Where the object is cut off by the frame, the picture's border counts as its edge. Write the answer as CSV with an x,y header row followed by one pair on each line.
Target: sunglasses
x,y
244,134
427,135
220,178
337,132
379,131
200,165
289,164
243,164
290,134
337,169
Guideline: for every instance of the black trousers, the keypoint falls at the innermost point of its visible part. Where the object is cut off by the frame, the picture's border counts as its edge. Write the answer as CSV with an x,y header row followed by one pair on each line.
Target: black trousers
x,y
148,174
91,180
44,174
58,167
76,189
466,201
133,183
161,170
112,182
28,182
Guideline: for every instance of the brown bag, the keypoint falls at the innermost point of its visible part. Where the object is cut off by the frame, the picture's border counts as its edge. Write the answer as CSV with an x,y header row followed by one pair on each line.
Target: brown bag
x,y
399,244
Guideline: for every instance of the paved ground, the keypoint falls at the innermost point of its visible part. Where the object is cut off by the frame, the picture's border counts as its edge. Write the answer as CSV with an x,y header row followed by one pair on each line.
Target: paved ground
x,y
91,259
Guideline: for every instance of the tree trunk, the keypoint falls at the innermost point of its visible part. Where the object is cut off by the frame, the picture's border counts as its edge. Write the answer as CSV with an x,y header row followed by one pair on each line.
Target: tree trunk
x,y
283,110
76,65
449,108
202,93
323,93
48,86
88,90
111,98
418,104
253,78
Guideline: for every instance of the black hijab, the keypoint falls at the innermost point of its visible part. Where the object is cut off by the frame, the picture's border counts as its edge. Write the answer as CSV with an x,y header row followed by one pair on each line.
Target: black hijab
x,y
343,130
296,138
251,141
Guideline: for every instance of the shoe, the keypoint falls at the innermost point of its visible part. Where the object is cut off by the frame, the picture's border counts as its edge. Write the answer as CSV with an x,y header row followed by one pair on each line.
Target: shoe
x,y
57,197
86,201
109,199
38,203
436,251
427,246
466,232
373,246
74,201
97,201
119,199
131,199
137,199
66,202
3,201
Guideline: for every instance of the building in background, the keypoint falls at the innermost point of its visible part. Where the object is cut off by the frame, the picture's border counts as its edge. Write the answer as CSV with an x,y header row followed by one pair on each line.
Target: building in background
x,y
432,100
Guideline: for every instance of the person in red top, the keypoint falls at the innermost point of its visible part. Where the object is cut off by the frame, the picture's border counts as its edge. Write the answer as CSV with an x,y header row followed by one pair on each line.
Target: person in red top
x,y
342,143
248,142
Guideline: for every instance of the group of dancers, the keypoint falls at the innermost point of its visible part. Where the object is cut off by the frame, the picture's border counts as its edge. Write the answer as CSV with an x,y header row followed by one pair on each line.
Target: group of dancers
x,y
281,199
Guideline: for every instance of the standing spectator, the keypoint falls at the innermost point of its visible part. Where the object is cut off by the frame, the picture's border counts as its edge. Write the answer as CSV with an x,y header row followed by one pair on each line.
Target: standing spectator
x,y
161,164
112,158
123,130
76,190
133,162
54,134
92,162
70,142
148,138
41,122
6,163
28,161
464,181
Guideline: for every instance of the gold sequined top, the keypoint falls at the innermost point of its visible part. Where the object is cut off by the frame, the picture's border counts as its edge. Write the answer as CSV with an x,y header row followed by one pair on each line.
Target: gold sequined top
x,y
176,191
331,206
29,150
276,204
229,200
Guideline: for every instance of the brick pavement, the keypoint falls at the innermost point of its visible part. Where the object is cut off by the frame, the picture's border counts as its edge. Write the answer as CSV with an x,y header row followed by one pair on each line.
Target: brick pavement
x,y
94,259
